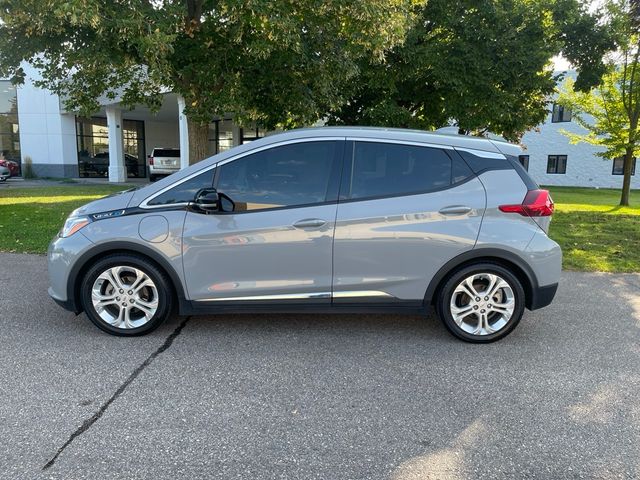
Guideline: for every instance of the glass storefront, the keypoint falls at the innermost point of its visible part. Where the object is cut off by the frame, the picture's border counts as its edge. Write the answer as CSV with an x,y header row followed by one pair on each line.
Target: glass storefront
x,y
93,147
221,135
9,134
251,133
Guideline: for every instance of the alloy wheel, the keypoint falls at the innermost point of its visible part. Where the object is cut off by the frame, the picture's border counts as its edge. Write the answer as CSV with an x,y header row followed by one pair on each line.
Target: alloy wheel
x,y
125,297
482,304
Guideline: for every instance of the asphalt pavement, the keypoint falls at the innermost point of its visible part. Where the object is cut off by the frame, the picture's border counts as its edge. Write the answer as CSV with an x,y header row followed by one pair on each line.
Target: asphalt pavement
x,y
319,396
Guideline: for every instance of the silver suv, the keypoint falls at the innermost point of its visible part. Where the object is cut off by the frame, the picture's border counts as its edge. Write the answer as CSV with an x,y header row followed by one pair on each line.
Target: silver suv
x,y
325,219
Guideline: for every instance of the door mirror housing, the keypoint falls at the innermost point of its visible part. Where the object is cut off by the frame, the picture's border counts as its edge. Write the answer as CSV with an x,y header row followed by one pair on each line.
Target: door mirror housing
x,y
207,200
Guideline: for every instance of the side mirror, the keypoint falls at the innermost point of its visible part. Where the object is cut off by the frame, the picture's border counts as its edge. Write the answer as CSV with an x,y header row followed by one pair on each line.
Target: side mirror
x,y
207,200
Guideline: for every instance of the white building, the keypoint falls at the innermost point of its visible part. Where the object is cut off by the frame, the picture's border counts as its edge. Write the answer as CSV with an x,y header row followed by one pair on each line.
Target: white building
x,y
552,160
33,123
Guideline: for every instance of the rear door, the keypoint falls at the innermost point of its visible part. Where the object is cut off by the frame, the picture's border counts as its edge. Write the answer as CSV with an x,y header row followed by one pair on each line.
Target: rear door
x,y
404,211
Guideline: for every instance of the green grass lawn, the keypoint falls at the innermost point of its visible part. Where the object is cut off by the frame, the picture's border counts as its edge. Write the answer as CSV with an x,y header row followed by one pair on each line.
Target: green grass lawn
x,y
595,234
31,216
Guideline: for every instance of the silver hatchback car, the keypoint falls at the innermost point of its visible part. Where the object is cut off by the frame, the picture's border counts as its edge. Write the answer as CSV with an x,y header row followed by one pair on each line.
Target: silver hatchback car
x,y
326,219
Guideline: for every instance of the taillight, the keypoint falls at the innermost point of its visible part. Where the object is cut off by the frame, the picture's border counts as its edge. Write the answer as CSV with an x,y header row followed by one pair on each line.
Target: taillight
x,y
536,203
150,160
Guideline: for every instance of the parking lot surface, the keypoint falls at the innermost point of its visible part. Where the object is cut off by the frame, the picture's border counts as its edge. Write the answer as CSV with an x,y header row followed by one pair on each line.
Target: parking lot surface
x,y
319,396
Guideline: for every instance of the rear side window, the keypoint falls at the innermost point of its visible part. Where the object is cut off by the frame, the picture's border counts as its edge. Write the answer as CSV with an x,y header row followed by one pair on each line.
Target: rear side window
x,y
163,152
388,169
185,191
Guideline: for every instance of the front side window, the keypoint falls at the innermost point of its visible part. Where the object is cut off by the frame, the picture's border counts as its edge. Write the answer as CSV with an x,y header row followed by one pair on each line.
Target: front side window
x,y
560,114
557,164
289,175
387,169
184,192
618,166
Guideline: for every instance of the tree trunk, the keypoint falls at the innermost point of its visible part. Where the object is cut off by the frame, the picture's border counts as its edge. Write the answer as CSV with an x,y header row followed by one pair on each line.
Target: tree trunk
x,y
626,182
198,141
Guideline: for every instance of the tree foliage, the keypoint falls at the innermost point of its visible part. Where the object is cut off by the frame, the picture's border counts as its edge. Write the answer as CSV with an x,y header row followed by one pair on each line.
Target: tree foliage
x,y
282,63
610,112
481,64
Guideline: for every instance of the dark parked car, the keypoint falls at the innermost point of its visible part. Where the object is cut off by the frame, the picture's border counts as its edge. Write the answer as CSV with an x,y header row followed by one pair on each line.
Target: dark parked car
x,y
13,167
4,173
99,164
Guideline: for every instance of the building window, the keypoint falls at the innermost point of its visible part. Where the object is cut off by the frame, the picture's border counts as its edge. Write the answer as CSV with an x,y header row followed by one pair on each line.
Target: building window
x,y
618,166
251,133
92,136
560,114
524,161
9,134
222,133
557,164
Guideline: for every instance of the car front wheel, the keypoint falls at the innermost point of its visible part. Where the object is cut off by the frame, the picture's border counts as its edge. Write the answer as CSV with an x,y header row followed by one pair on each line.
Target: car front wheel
x,y
126,295
481,303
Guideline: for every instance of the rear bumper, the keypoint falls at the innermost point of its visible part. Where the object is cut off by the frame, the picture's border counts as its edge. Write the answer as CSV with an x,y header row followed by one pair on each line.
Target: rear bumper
x,y
543,296
162,170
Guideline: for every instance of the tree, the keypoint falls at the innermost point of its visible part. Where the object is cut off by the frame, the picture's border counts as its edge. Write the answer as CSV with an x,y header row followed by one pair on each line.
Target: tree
x,y
610,112
481,64
281,63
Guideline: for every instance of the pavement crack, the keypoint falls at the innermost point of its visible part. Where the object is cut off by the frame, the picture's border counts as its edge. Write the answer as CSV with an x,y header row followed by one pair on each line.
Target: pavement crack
x,y
86,425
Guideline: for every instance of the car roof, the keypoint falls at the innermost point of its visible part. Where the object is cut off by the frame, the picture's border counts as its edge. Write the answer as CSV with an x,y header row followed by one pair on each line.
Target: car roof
x,y
383,133
362,133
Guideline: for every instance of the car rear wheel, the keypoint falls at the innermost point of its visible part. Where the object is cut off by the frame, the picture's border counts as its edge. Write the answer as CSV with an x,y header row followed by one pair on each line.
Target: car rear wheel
x,y
126,295
481,303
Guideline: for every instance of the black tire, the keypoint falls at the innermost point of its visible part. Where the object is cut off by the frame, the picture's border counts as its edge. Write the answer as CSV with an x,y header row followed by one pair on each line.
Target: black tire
x,y
152,178
158,277
446,293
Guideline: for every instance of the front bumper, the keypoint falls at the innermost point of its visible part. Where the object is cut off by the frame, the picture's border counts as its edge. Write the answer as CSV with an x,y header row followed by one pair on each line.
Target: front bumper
x,y
66,304
62,256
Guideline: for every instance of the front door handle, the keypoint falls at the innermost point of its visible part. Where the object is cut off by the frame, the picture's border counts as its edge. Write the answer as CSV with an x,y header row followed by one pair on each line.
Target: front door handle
x,y
310,223
455,210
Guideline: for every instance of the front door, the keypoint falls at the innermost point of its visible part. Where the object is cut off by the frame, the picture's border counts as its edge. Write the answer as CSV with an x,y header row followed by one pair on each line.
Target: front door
x,y
276,243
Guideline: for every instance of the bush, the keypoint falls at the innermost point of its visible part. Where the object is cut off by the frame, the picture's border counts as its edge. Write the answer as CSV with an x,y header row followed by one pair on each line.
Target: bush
x,y
27,169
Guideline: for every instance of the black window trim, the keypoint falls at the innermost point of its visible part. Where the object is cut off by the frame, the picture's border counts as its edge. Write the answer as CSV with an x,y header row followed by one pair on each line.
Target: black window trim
x,y
560,117
566,161
348,165
613,165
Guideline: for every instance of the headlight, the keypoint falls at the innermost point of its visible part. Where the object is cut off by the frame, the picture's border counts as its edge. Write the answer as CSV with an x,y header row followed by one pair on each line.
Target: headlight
x,y
73,224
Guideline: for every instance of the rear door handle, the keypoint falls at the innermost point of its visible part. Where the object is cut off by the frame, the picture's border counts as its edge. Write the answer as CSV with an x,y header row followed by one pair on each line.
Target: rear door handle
x,y
455,210
310,223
